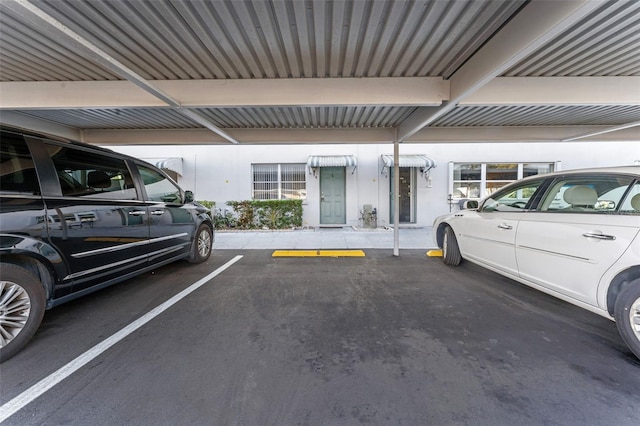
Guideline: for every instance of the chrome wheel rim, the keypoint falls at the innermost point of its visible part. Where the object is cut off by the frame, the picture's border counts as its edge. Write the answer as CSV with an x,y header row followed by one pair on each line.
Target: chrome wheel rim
x,y
15,307
204,244
634,317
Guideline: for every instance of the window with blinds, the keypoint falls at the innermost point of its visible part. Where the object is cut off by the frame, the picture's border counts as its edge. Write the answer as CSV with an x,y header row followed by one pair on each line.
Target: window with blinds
x,y
279,182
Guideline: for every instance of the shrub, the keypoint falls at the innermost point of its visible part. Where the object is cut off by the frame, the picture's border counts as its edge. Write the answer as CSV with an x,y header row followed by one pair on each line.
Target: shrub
x,y
273,214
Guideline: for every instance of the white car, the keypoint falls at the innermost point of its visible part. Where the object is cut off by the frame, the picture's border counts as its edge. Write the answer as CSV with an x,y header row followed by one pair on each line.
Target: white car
x,y
574,235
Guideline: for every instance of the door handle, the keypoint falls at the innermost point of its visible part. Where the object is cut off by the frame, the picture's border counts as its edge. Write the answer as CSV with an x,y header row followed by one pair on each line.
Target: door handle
x,y
137,212
157,212
505,226
599,236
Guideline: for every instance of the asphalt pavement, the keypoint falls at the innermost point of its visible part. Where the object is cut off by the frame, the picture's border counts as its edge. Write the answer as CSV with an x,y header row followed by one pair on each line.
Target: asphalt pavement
x,y
376,340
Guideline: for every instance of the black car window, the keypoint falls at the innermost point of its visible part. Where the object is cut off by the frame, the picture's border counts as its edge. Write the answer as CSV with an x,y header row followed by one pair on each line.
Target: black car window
x,y
513,198
587,194
91,175
159,187
17,170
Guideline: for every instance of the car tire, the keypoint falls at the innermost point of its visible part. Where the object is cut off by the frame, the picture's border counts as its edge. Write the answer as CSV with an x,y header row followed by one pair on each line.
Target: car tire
x,y
627,316
202,244
450,249
22,306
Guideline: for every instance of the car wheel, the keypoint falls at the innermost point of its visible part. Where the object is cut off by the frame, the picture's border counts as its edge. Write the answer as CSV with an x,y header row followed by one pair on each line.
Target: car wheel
x,y
202,242
627,315
450,250
22,305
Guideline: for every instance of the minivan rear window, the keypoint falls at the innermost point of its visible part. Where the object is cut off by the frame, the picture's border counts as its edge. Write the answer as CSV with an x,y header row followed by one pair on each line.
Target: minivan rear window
x,y
91,175
17,171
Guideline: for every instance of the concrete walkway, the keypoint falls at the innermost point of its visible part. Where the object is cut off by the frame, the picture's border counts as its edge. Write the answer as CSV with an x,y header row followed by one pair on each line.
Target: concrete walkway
x,y
323,238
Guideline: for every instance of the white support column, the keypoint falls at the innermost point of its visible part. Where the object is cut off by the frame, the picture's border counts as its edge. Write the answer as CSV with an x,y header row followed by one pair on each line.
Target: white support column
x,y
396,194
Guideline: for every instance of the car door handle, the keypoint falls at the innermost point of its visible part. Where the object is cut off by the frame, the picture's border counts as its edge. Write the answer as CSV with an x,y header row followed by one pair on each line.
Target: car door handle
x,y
137,212
599,236
505,226
157,212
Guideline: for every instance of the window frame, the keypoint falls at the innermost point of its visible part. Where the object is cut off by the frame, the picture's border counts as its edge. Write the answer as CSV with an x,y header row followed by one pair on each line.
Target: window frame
x,y
124,168
483,182
279,185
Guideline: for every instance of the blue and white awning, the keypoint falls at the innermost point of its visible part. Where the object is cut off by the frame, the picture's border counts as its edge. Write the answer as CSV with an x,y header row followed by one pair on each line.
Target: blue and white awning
x,y
418,161
332,161
173,163
415,160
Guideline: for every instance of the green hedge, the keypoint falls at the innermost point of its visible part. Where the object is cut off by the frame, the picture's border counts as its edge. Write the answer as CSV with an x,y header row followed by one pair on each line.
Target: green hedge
x,y
259,214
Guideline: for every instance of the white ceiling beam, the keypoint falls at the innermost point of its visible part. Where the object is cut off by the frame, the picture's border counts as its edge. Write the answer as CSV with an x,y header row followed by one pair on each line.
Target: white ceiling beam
x,y
248,136
552,134
75,94
536,24
388,91
405,91
611,129
522,134
551,91
33,14
28,123
382,91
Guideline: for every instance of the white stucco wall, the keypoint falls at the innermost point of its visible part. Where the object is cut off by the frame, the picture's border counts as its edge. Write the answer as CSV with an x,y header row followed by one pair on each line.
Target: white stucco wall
x,y
223,173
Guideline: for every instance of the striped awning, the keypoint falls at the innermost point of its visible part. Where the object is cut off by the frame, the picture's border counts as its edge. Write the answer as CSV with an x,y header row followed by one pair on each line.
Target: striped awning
x,y
415,160
173,164
332,161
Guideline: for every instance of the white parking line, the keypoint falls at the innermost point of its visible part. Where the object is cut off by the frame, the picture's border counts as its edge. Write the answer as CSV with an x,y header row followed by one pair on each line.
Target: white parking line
x,y
20,401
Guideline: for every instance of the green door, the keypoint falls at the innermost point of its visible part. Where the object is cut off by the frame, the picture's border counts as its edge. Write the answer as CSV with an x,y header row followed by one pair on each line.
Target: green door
x,y
332,196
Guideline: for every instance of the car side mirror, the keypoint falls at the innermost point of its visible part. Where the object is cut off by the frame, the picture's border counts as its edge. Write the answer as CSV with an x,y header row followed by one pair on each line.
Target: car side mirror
x,y
188,196
470,204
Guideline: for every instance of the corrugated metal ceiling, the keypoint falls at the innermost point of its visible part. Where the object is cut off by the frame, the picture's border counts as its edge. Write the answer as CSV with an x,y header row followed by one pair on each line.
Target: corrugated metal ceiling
x,y
239,118
260,39
611,115
606,43
166,40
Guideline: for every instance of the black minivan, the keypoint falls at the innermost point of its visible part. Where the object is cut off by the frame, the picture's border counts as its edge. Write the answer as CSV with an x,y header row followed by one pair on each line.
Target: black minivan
x,y
75,218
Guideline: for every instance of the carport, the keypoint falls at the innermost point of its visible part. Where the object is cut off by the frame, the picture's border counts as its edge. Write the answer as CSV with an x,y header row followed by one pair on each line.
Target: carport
x,y
296,72
370,339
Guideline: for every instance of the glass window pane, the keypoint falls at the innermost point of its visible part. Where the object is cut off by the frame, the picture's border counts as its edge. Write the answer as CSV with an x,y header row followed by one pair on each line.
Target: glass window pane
x,y
87,174
159,187
463,189
18,175
592,194
467,171
530,169
508,172
265,182
294,191
293,181
289,183
513,200
493,187
631,203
